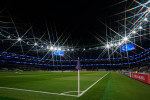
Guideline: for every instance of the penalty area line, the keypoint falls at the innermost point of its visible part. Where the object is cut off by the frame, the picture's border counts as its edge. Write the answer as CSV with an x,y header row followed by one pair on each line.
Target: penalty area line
x,y
38,91
92,85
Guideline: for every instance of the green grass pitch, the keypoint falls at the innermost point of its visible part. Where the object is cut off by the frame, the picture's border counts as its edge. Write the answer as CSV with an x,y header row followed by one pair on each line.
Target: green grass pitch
x,y
63,86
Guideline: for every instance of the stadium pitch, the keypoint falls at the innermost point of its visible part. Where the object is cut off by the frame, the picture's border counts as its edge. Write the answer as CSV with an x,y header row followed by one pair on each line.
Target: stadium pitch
x,y
98,85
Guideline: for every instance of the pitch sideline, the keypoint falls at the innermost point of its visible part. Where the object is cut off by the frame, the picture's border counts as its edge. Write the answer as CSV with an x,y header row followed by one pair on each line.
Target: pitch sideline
x,y
38,91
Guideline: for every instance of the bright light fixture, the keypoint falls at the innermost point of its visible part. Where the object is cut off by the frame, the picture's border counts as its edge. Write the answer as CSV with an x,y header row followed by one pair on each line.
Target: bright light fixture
x,y
51,48
111,44
19,39
47,47
125,38
122,42
115,44
145,19
133,31
119,43
140,27
59,49
35,44
72,49
9,37
107,46
28,42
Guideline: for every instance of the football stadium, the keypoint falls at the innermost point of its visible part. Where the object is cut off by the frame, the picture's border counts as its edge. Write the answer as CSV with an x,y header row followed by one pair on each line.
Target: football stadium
x,y
75,50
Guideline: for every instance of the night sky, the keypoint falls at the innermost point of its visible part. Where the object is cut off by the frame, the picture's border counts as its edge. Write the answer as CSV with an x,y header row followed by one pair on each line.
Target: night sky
x,y
77,18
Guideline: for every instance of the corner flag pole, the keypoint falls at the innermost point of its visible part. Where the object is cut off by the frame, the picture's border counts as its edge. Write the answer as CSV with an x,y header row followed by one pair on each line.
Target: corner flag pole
x,y
78,68
78,82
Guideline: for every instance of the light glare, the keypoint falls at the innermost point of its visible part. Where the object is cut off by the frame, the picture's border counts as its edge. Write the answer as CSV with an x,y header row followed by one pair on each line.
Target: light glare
x,y
125,39
107,46
134,32
35,44
111,44
140,27
19,39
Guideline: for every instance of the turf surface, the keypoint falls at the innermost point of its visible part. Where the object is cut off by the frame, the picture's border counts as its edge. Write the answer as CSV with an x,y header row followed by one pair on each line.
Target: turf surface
x,y
112,87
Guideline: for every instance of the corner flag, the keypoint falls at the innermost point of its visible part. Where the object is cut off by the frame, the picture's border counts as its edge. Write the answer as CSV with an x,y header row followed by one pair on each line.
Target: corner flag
x,y
78,64
78,67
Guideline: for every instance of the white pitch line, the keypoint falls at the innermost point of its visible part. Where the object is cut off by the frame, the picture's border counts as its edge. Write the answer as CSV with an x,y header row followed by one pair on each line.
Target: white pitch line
x,y
69,92
38,91
56,93
92,85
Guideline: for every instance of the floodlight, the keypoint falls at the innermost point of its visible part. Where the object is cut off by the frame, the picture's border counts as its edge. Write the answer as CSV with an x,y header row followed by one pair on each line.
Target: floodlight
x,y
9,37
140,27
72,49
35,44
119,43
125,38
145,19
107,46
51,48
133,31
115,44
122,42
59,49
28,42
111,44
19,39
47,47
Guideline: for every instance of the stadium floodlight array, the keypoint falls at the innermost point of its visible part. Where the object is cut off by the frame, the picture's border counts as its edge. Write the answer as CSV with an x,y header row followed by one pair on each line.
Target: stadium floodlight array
x,y
32,42
40,59
49,46
42,62
125,39
133,57
137,27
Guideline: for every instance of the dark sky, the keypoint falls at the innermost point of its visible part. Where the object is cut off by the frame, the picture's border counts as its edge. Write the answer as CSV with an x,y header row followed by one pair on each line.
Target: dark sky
x,y
77,18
